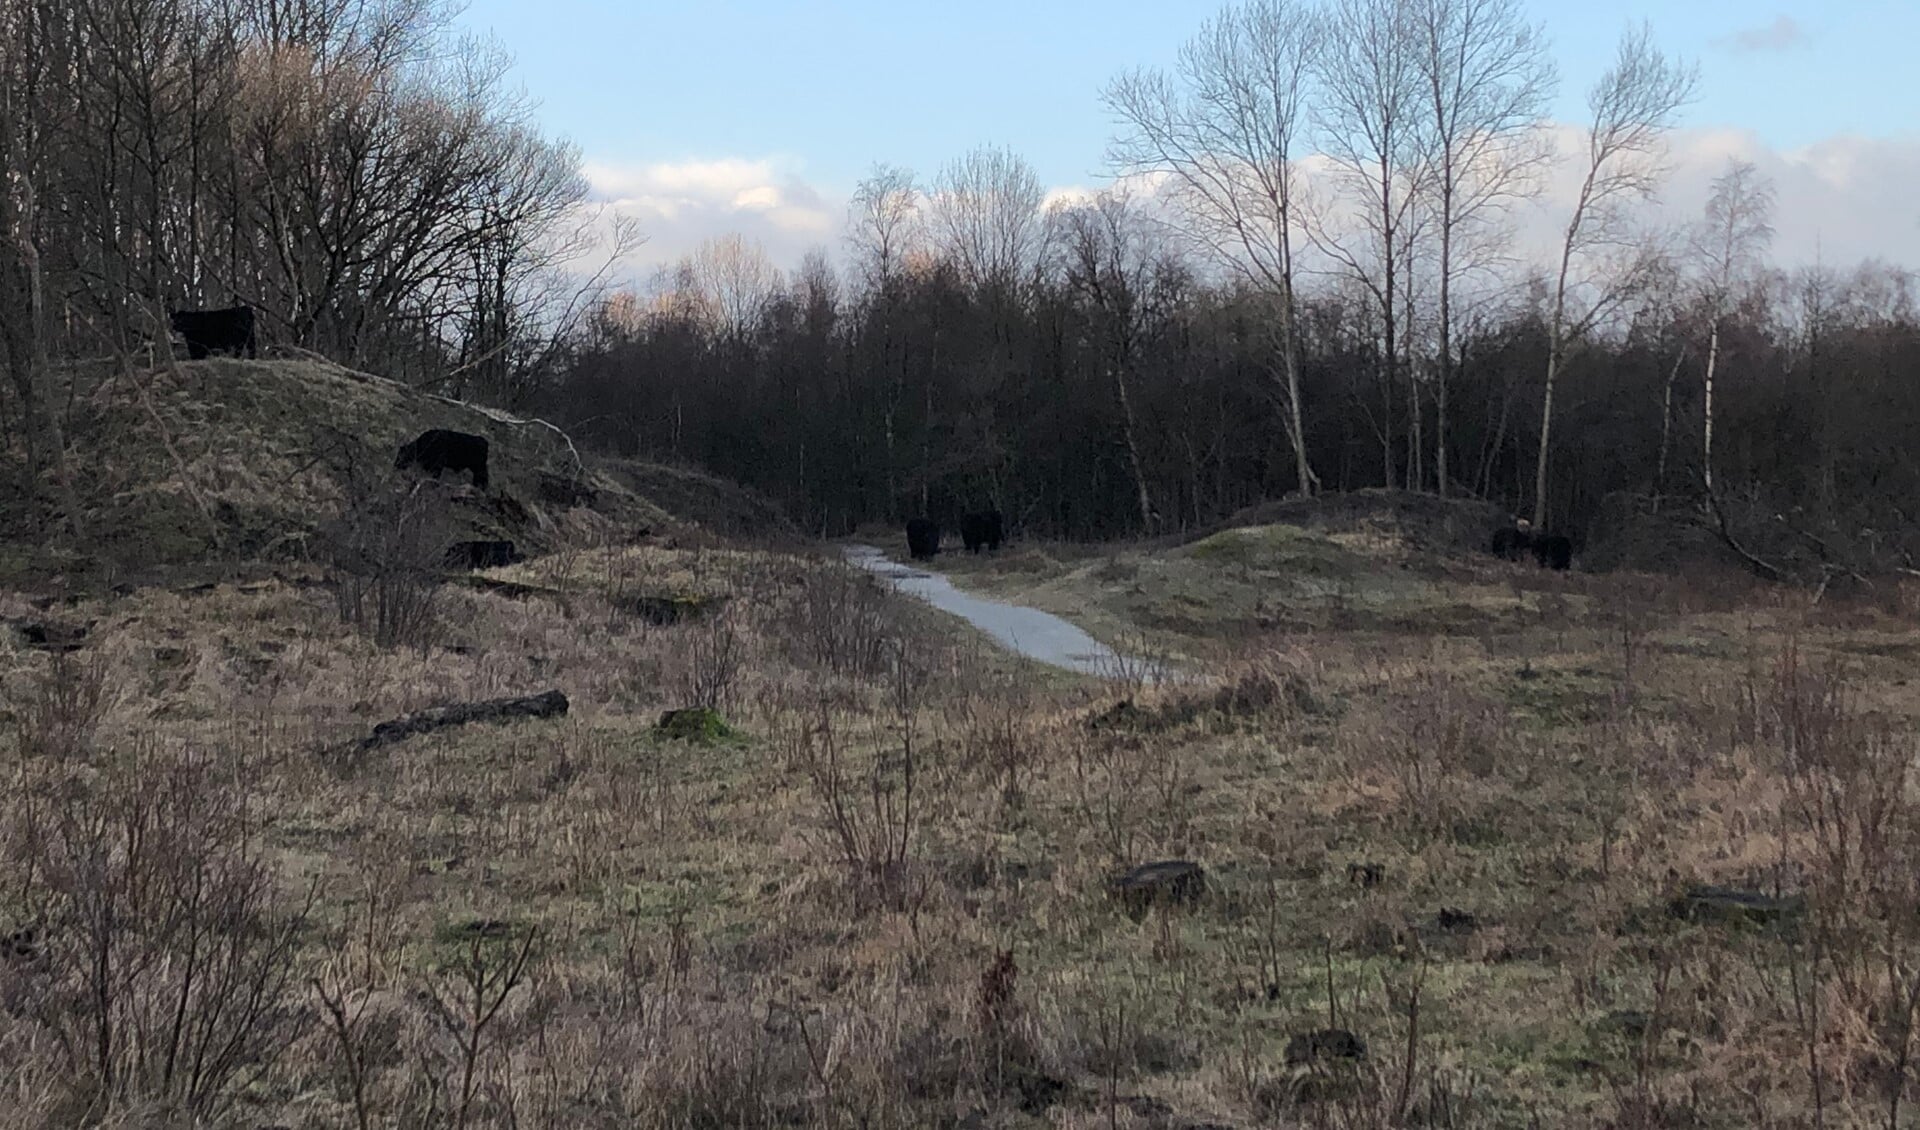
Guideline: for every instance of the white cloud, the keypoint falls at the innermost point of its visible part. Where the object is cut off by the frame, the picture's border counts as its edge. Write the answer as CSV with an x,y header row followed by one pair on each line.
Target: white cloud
x,y
761,198
1783,34
1843,199
1069,196
1840,200
681,204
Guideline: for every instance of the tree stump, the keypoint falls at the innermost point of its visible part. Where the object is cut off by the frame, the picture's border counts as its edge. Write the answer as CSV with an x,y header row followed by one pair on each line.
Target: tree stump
x,y
1169,883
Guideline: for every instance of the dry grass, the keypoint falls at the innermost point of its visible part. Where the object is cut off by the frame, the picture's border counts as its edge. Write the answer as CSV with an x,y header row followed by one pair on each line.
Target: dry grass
x,y
229,460
883,903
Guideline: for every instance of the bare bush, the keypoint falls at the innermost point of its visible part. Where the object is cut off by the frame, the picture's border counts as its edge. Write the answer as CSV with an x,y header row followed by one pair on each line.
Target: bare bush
x,y
65,704
1136,665
170,968
385,551
840,622
716,655
467,1004
872,810
1109,795
1846,776
998,736
1442,734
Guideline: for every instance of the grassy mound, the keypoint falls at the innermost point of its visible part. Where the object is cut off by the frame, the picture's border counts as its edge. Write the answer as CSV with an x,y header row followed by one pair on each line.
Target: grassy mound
x,y
1402,519
234,460
1246,580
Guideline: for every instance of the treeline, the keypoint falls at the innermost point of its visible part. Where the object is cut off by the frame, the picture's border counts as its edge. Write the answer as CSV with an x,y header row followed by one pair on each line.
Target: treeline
x,y
1304,278
352,169
1091,407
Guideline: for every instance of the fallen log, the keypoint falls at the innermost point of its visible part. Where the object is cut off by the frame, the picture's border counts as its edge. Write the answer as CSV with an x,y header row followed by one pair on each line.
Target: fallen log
x,y
551,704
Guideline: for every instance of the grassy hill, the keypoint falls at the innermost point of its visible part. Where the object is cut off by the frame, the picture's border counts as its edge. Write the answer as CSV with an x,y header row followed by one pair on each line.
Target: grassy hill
x,y
238,460
1371,560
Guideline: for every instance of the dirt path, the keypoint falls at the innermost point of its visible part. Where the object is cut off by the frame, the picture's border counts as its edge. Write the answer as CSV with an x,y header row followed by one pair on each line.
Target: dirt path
x,y
1025,631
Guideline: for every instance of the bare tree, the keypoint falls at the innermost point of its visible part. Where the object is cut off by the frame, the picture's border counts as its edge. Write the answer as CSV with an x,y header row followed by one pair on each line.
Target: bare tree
x,y
733,281
886,225
985,209
1370,114
1633,105
1222,129
1732,237
884,222
1486,80
1110,258
28,65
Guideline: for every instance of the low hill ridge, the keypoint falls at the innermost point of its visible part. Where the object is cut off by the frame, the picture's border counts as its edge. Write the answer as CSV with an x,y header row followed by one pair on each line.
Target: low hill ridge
x,y
231,459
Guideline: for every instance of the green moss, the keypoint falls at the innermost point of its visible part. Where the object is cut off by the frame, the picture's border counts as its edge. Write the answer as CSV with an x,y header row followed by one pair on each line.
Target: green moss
x,y
695,724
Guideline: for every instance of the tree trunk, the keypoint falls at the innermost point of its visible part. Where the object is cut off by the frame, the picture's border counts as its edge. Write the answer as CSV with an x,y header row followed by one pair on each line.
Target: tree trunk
x,y
1290,361
1556,354
1443,373
33,368
1546,439
1666,430
1127,432
1387,476
1416,442
1490,456
1706,431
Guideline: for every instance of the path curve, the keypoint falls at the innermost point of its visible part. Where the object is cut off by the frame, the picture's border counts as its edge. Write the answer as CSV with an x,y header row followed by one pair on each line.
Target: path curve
x,y
1024,631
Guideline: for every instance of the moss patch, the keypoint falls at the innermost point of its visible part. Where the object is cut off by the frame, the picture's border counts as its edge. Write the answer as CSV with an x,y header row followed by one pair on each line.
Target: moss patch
x,y
695,724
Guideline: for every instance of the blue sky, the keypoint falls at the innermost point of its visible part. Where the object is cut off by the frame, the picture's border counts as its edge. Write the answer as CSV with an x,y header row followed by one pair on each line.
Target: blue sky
x,y
833,85
759,116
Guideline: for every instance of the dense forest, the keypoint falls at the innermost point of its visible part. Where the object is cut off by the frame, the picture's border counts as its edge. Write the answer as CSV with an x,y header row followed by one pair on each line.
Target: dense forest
x,y
1091,405
1304,277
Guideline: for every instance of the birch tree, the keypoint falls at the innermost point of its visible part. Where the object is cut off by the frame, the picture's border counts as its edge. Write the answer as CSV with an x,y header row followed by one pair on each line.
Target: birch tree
x,y
1485,82
985,213
884,222
885,226
1110,260
1632,107
1222,131
1732,237
1370,117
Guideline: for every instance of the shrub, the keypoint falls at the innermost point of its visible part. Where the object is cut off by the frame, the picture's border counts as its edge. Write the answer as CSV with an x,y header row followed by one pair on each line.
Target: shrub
x,y
385,552
169,979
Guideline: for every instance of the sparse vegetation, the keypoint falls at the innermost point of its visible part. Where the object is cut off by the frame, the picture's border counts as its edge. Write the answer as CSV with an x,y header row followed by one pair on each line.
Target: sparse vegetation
x,y
637,810
1492,857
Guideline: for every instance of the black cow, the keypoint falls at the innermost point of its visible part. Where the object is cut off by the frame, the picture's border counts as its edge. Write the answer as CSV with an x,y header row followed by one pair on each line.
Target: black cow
x,y
481,554
1512,543
1553,551
440,450
210,331
923,538
985,530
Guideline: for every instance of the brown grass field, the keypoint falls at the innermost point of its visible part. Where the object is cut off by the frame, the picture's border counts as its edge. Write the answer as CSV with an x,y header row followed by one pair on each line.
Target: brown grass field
x,y
878,896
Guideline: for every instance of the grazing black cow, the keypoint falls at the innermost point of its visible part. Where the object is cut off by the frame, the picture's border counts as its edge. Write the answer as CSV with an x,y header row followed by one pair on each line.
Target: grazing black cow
x,y
923,538
440,450
210,331
1512,543
984,530
1553,551
481,554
